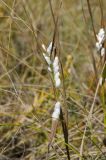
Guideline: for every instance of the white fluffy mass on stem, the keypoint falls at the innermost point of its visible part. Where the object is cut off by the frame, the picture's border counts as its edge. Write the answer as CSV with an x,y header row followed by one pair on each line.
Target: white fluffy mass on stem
x,y
102,51
47,55
56,72
56,112
51,63
49,48
100,40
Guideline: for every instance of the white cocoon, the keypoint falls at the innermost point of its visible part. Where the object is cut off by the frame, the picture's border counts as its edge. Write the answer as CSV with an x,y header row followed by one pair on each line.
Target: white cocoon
x,y
56,61
102,51
98,46
47,58
101,38
56,112
58,82
56,69
57,75
49,48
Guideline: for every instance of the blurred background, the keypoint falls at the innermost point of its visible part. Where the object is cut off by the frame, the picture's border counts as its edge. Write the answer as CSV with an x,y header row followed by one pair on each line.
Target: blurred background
x,y
26,93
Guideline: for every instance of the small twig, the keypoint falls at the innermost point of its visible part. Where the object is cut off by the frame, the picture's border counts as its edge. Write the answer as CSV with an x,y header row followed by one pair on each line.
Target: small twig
x,y
102,16
65,132
90,12
82,143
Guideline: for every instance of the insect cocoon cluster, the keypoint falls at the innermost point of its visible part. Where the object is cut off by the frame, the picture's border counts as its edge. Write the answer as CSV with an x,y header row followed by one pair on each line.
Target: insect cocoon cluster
x,y
49,48
53,65
47,55
100,40
56,112
56,72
